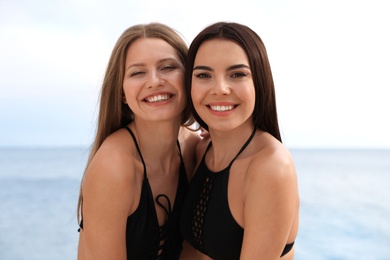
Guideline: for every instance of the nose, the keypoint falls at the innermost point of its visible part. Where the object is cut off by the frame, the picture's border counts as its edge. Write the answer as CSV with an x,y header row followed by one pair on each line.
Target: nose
x,y
155,80
220,87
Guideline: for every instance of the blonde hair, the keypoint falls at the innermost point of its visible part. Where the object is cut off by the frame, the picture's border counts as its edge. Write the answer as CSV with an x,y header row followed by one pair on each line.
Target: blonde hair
x,y
113,113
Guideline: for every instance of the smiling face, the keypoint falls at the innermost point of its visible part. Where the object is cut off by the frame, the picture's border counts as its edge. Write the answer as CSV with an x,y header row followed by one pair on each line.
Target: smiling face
x,y
222,91
153,83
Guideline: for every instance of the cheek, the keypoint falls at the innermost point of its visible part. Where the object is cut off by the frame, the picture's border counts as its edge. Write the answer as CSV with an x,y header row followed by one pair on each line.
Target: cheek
x,y
126,94
129,93
250,93
195,95
176,77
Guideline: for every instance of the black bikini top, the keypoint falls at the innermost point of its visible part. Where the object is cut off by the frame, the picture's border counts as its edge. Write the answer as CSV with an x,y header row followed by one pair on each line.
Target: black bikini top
x,y
207,223
145,239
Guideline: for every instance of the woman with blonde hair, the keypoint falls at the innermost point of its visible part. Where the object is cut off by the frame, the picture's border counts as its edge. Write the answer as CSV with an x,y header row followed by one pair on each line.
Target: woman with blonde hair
x,y
136,176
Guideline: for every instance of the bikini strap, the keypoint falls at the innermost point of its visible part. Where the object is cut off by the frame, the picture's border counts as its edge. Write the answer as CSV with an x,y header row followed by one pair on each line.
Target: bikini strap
x,y
138,149
178,146
207,148
243,147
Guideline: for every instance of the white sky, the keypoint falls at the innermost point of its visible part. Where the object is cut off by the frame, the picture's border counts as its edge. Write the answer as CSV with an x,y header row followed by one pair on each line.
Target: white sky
x,y
330,60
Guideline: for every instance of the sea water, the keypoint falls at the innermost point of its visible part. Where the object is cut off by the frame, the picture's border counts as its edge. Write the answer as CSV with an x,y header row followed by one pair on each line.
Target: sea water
x,y
38,201
344,213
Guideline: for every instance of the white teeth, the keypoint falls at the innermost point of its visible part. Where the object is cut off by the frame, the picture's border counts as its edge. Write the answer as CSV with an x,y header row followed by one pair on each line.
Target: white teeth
x,y
221,108
158,98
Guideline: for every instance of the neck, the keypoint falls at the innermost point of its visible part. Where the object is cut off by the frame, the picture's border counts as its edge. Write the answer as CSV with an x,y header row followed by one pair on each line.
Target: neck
x,y
226,145
157,141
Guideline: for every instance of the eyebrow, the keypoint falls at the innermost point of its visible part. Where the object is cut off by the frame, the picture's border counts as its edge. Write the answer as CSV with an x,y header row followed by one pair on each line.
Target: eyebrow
x,y
238,66
233,67
202,68
143,64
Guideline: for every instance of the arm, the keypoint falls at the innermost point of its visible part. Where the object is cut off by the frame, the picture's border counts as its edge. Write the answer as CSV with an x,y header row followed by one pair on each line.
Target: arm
x,y
270,208
107,201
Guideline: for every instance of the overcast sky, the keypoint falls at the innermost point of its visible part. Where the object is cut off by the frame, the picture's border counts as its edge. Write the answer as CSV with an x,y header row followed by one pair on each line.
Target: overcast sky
x,y
330,59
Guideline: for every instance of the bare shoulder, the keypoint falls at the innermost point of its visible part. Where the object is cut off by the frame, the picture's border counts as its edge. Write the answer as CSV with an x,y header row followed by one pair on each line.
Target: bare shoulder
x,y
272,161
115,156
113,167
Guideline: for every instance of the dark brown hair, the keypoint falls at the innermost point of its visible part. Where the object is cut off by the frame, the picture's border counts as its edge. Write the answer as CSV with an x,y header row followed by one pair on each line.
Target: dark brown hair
x,y
264,114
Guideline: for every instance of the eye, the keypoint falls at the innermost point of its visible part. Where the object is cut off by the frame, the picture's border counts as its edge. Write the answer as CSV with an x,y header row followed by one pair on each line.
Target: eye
x,y
202,75
238,75
168,67
136,73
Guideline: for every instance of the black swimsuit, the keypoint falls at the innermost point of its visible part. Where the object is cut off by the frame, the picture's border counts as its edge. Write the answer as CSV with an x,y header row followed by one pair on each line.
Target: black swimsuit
x,y
206,221
145,239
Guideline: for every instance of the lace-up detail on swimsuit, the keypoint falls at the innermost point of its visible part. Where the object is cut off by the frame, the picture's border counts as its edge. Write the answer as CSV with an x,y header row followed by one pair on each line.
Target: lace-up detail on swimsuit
x,y
163,230
145,237
201,209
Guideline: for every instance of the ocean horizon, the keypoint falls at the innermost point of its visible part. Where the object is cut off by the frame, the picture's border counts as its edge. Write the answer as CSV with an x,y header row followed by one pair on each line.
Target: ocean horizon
x,y
344,212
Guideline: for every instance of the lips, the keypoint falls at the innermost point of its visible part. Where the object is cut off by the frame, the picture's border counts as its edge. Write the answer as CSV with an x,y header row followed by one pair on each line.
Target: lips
x,y
158,98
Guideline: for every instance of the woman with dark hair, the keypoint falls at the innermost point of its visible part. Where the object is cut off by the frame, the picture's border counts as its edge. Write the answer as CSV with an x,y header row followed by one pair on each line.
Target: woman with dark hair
x,y
136,176
243,200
